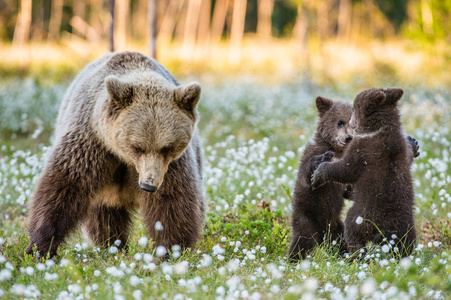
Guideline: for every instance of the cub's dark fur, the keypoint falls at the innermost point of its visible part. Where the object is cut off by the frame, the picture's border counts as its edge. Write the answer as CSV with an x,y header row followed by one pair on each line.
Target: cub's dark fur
x,y
377,164
317,212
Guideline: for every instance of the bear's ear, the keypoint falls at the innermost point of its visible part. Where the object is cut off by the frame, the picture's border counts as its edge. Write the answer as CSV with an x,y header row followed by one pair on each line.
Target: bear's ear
x,y
393,95
121,93
376,97
323,105
188,96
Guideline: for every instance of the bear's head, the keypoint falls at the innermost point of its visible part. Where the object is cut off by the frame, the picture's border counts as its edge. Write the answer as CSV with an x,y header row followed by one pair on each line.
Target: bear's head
x,y
375,108
151,122
333,125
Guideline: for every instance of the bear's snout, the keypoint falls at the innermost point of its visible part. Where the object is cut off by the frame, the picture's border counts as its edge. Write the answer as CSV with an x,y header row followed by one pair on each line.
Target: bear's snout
x,y
147,187
348,138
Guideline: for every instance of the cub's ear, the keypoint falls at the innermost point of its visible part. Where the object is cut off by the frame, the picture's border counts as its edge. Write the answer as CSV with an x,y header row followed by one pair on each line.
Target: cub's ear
x,y
393,95
376,96
188,96
121,93
323,105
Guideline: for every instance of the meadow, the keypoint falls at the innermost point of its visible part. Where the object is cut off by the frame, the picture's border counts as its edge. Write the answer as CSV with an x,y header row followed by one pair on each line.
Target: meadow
x,y
253,132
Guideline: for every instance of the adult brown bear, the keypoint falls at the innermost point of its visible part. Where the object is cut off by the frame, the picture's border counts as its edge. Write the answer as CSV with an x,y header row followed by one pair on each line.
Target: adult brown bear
x,y
125,139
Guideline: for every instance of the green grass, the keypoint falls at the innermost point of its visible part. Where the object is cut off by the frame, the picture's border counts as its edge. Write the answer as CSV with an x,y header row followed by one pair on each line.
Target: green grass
x,y
253,136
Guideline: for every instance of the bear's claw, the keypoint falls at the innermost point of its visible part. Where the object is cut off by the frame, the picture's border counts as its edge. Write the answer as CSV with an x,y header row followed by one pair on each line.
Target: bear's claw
x,y
414,145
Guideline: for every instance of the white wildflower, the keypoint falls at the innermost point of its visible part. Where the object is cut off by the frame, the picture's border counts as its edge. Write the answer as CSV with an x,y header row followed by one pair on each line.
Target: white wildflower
x,y
181,267
311,284
405,263
148,258
233,282
206,260
274,289
64,263
113,250
220,290
143,241
368,287
137,294
158,226
255,296
74,289
29,271
134,280
5,274
217,249
161,251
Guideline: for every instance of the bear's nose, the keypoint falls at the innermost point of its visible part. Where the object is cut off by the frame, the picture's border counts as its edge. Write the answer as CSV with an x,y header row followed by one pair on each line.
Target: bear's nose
x,y
148,187
348,138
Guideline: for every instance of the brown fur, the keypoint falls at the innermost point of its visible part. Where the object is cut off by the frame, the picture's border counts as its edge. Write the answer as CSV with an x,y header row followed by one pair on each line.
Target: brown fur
x,y
377,164
317,212
125,122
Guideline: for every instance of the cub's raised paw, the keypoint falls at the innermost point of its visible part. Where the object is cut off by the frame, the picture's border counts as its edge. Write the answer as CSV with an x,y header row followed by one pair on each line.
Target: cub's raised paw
x,y
327,156
317,178
414,145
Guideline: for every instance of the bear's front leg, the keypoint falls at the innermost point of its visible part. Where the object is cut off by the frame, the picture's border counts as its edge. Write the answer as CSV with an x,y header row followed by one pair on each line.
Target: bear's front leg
x,y
345,171
181,223
178,205
61,196
57,205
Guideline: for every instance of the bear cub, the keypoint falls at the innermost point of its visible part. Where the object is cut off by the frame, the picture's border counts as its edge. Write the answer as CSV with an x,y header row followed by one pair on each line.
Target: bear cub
x,y
125,139
317,212
377,164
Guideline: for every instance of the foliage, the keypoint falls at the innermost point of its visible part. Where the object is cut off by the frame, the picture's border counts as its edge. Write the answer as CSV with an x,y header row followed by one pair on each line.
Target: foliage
x,y
253,136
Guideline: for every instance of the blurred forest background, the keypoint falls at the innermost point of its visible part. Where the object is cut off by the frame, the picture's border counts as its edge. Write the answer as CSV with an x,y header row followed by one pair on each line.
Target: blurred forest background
x,y
326,40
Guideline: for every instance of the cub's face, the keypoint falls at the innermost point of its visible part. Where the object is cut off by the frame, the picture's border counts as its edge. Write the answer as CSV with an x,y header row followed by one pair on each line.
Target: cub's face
x,y
334,126
152,125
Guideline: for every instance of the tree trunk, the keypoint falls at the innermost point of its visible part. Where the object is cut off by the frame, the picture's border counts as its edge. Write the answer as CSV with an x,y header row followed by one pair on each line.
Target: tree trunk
x,y
121,11
152,24
38,30
96,19
237,30
79,10
203,32
169,21
300,27
23,25
181,21
322,11
264,22
112,5
55,20
427,17
218,21
344,19
189,36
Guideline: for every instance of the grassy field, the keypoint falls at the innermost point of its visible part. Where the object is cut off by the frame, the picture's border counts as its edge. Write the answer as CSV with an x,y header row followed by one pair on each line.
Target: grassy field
x,y
253,136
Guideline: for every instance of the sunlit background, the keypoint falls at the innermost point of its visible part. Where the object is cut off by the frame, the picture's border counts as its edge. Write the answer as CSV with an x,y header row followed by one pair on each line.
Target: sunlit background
x,y
329,41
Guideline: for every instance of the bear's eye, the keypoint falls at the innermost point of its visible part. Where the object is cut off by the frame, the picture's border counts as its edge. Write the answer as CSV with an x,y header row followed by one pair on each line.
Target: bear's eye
x,y
165,150
340,123
137,150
